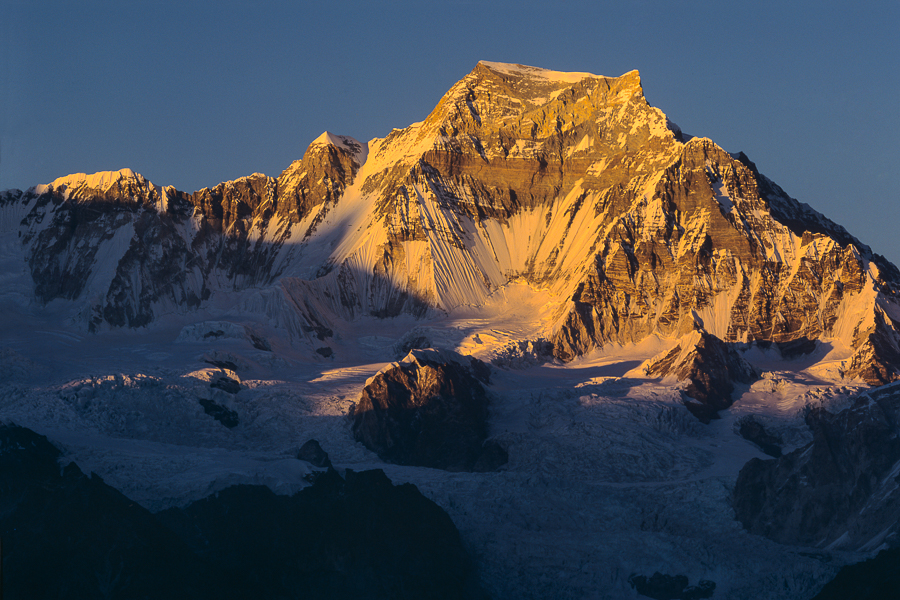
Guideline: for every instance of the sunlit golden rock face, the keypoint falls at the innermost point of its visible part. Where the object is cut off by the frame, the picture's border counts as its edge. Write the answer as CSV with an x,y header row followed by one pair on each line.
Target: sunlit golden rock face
x,y
681,230
718,250
319,178
229,204
501,141
568,182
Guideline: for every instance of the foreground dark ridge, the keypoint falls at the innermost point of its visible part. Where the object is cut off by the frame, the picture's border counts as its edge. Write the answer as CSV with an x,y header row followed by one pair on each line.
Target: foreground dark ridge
x,y
69,535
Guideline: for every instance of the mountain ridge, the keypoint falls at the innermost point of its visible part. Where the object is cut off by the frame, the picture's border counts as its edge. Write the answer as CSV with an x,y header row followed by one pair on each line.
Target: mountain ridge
x,y
568,182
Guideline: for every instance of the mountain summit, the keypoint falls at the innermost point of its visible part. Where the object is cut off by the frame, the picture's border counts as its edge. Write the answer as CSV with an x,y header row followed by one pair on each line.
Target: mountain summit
x,y
569,183
530,306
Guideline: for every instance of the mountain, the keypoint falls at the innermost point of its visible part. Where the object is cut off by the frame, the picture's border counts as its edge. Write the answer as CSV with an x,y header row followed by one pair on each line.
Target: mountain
x,y
568,182
575,328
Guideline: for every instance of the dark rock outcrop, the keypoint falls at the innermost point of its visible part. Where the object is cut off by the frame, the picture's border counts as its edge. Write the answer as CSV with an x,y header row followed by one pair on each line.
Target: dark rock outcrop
x,y
313,453
671,587
356,538
795,348
215,403
710,366
228,383
67,535
841,488
428,410
875,579
224,415
755,432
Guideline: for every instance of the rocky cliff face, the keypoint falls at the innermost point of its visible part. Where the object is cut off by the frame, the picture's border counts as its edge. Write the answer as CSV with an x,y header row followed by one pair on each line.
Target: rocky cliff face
x,y
715,249
709,366
428,410
569,182
319,178
841,489
128,251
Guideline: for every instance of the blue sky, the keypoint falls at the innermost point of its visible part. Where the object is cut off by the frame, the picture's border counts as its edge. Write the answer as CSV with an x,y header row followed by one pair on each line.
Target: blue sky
x,y
193,93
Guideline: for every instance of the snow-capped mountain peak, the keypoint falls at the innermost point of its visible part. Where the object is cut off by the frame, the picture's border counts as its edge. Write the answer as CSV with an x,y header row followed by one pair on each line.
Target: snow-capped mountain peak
x,y
123,183
102,180
570,183
539,73
344,142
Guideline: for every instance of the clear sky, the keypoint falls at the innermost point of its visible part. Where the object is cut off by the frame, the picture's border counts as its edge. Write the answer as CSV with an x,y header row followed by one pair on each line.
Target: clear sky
x,y
192,93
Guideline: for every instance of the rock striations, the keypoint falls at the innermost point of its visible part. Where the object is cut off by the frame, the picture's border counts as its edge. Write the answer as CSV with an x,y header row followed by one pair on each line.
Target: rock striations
x,y
568,182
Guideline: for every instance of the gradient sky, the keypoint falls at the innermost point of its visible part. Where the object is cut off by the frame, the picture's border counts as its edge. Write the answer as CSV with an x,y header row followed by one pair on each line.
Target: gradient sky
x,y
193,93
